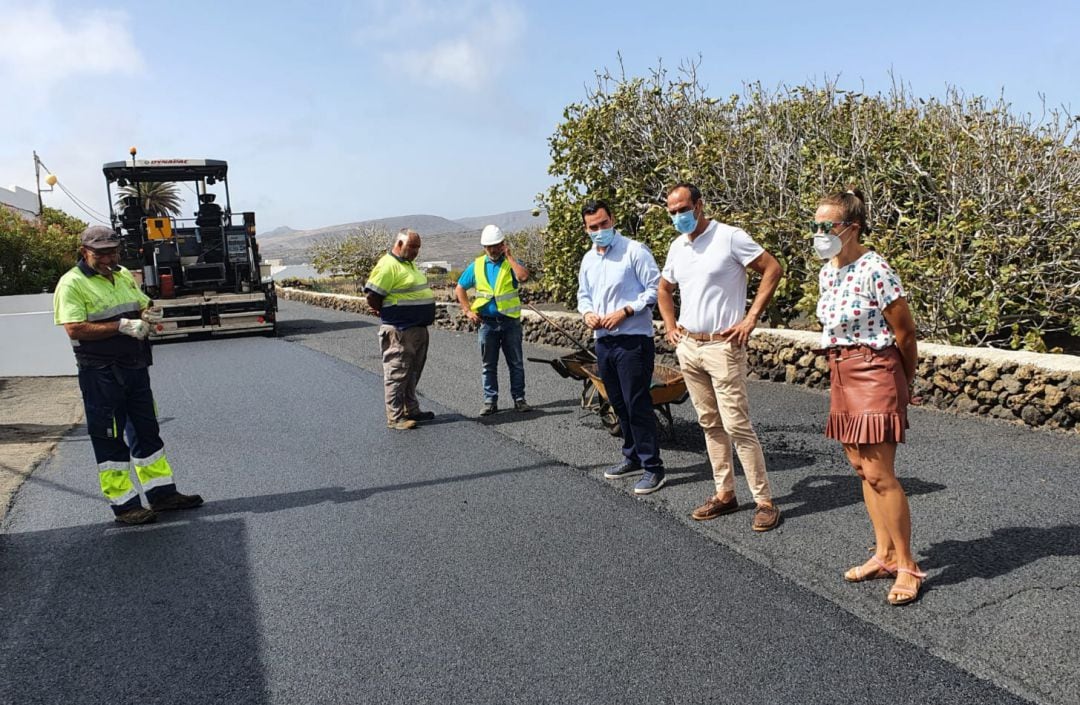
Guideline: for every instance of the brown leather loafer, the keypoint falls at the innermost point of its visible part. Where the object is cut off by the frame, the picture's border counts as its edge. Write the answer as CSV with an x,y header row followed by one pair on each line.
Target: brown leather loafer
x,y
713,508
766,518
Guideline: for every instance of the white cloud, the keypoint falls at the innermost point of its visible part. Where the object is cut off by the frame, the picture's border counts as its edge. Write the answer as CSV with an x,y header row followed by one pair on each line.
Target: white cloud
x,y
456,44
38,48
58,70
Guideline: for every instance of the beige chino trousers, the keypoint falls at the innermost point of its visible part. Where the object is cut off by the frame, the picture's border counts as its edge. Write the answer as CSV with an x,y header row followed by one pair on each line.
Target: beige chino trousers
x,y
715,374
404,353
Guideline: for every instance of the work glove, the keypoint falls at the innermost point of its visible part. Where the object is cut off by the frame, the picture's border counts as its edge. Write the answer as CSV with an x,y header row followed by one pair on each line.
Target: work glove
x,y
136,328
152,314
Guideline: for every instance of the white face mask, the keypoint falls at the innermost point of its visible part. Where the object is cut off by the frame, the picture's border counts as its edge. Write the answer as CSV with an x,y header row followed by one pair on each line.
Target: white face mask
x,y
827,245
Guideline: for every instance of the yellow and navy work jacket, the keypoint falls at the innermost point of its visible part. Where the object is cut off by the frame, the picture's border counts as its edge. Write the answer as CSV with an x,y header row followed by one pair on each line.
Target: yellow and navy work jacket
x,y
504,293
409,301
83,295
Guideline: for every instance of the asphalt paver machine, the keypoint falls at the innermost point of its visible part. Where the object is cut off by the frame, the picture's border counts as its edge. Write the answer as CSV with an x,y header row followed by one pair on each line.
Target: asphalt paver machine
x,y
203,272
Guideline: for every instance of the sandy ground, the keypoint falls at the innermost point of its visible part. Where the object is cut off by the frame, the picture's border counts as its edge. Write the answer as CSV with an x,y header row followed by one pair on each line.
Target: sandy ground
x,y
35,413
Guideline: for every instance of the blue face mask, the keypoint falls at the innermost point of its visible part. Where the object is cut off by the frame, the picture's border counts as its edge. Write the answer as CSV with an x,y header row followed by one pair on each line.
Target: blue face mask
x,y
602,238
684,222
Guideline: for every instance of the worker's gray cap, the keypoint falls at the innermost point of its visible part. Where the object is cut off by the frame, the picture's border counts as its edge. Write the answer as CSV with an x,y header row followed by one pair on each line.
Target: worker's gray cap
x,y
100,237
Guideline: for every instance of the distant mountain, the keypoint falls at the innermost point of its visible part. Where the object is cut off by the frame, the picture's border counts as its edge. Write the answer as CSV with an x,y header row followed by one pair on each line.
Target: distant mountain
x,y
287,238
510,222
455,241
276,233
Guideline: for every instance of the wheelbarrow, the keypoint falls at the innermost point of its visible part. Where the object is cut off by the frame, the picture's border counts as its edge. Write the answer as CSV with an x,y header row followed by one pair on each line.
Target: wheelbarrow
x,y
572,366
668,387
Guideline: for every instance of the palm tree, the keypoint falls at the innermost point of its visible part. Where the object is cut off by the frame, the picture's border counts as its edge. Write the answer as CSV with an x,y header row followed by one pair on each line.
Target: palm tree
x,y
157,199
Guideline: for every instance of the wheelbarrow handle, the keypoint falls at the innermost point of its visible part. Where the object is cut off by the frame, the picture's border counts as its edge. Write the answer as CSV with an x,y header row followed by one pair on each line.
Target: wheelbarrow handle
x,y
572,339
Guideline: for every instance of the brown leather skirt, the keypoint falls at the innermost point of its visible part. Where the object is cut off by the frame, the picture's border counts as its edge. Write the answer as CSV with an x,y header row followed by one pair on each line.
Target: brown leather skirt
x,y
868,395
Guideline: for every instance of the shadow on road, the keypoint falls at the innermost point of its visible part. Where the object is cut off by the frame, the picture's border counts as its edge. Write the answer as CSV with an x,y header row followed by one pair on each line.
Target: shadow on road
x,y
161,614
29,476
305,326
820,493
440,419
277,502
32,432
1002,552
774,462
505,416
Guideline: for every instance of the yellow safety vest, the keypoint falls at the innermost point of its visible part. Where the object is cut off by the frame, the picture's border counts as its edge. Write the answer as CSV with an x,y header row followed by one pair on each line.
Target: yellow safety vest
x,y
409,300
83,294
505,293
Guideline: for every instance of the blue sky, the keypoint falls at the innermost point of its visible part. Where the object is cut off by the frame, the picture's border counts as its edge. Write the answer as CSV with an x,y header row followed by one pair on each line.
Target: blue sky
x,y
331,112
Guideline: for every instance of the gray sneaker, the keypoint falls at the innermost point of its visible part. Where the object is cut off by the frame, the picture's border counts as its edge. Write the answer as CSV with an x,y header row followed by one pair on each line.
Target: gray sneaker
x,y
521,406
650,482
490,407
623,469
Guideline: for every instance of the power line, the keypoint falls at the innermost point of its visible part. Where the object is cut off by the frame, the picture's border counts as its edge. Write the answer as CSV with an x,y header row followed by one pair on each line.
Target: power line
x,y
81,202
83,207
94,215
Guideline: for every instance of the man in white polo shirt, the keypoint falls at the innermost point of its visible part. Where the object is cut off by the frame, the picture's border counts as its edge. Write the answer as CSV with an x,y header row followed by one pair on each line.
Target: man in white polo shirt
x,y
708,263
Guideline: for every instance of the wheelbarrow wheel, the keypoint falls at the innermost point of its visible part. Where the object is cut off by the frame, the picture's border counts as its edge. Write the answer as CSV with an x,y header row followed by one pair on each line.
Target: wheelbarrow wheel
x,y
610,420
588,394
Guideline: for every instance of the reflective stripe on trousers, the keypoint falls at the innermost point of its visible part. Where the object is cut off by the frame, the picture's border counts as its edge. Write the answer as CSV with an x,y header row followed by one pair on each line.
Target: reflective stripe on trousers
x,y
118,402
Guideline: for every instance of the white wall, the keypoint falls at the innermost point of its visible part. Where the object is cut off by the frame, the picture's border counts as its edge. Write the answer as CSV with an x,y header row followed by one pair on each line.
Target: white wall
x,y
19,199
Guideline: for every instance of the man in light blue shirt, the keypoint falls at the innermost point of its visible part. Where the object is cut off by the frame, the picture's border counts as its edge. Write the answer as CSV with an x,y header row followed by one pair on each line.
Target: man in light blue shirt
x,y
617,286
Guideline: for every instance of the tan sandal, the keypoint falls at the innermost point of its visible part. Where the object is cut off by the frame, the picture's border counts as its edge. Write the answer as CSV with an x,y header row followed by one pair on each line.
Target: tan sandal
x,y
902,595
879,570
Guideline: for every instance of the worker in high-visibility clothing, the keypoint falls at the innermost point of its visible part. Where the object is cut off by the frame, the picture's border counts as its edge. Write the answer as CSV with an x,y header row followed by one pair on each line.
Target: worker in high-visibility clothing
x,y
398,291
101,306
496,308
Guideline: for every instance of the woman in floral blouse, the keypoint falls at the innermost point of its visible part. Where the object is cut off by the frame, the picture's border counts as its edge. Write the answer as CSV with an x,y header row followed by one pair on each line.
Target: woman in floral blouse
x,y
869,335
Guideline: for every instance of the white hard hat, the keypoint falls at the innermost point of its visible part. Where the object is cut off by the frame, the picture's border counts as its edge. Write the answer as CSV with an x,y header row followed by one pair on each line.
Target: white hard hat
x,y
491,235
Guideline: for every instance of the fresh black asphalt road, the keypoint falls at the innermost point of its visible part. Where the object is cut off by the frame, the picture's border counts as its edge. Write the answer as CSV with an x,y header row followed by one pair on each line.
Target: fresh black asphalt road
x,y
339,562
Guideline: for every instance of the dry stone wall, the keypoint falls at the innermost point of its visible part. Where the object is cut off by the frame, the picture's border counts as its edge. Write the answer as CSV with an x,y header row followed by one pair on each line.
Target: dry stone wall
x,y
1028,388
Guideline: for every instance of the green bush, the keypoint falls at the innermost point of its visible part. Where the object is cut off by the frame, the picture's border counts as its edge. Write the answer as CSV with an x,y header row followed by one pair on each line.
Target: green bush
x,y
353,255
34,254
977,208
528,247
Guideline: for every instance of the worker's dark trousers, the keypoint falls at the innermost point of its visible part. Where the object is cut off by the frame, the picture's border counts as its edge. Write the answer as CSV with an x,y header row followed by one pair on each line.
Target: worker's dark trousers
x,y
117,401
626,368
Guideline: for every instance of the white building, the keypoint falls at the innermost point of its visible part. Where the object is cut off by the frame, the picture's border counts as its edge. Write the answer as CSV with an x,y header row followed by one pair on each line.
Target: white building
x,y
18,199
425,266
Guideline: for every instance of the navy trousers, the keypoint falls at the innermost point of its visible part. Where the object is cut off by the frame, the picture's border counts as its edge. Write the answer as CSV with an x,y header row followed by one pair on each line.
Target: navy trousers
x,y
626,368
118,402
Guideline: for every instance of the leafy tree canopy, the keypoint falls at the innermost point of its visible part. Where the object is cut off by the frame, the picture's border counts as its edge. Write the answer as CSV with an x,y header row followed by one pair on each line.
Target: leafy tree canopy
x,y
977,208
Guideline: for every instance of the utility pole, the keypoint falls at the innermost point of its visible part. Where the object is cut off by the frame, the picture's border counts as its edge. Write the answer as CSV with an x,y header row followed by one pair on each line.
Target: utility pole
x,y
37,181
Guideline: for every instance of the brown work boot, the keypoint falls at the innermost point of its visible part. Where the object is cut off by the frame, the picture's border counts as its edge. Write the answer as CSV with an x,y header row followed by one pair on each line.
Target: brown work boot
x,y
136,516
715,507
175,501
401,424
766,518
